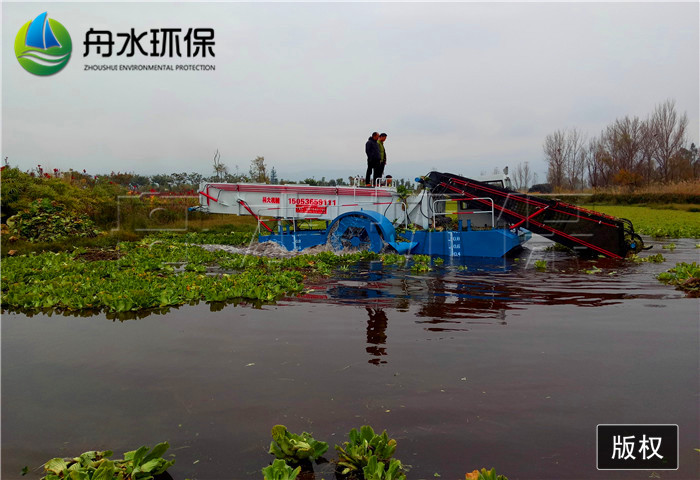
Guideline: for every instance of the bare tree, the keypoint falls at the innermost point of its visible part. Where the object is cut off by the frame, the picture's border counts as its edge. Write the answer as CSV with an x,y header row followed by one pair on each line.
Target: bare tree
x,y
565,159
522,176
622,155
647,167
219,168
626,142
574,161
555,151
668,132
598,164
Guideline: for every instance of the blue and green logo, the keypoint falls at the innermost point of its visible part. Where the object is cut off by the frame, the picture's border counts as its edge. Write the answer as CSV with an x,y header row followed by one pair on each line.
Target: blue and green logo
x,y
43,46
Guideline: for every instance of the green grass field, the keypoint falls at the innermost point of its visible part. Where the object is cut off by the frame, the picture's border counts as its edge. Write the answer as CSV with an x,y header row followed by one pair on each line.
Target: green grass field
x,y
657,222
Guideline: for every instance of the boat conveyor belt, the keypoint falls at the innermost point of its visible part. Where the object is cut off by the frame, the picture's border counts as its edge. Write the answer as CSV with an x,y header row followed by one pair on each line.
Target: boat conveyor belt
x,y
588,233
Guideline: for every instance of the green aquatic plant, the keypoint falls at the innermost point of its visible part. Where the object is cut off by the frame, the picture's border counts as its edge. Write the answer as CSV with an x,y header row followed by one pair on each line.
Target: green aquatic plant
x,y
145,276
541,265
354,455
670,246
656,258
295,448
240,237
685,276
393,258
655,222
376,470
593,270
558,247
279,470
421,263
485,475
141,464
46,221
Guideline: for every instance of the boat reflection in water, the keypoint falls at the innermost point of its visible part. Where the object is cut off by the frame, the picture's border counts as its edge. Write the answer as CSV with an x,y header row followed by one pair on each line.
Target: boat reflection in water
x,y
459,294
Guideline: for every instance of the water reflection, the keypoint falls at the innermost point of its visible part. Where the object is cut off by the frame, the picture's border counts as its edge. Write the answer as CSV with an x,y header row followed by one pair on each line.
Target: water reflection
x,y
446,302
376,335
458,297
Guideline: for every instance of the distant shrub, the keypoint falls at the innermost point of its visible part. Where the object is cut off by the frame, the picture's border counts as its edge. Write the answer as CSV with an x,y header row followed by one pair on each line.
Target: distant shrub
x,y
47,220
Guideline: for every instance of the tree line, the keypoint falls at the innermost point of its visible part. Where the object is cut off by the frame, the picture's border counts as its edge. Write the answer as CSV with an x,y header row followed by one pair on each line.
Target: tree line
x,y
258,172
631,152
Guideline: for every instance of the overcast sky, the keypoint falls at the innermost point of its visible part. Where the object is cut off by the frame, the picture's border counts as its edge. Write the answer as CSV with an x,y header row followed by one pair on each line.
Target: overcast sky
x,y
458,87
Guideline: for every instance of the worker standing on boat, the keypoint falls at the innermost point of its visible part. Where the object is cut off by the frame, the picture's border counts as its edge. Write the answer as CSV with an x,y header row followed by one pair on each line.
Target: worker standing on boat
x,y
382,154
373,159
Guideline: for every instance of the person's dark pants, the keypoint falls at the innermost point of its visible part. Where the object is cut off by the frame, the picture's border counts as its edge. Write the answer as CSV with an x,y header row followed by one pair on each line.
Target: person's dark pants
x,y
380,173
373,171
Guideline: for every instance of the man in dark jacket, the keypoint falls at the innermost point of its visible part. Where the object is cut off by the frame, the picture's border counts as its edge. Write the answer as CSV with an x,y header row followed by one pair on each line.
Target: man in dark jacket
x,y
373,158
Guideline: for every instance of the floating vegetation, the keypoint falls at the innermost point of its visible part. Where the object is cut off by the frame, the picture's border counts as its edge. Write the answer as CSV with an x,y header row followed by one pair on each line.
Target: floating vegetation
x,y
656,222
541,265
96,465
279,470
355,454
685,276
656,258
157,273
146,276
485,475
670,246
393,259
295,448
230,237
558,247
421,263
376,470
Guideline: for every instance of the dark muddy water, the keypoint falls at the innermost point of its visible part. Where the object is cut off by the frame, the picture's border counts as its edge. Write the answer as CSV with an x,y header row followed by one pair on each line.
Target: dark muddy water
x,y
495,364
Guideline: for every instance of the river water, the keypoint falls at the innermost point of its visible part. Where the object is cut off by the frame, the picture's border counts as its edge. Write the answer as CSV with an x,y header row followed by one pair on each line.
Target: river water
x,y
483,364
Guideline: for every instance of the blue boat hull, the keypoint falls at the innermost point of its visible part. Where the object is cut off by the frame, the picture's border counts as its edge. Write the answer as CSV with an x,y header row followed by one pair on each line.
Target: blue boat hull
x,y
468,243
493,243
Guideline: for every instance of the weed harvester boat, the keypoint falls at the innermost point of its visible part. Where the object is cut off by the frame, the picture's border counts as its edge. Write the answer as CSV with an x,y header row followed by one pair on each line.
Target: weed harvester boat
x,y
586,232
452,216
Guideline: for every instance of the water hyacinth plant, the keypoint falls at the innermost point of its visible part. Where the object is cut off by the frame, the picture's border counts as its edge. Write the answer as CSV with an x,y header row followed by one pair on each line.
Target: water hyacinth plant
x,y
295,448
685,276
354,455
376,470
141,464
655,258
484,475
157,272
279,470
